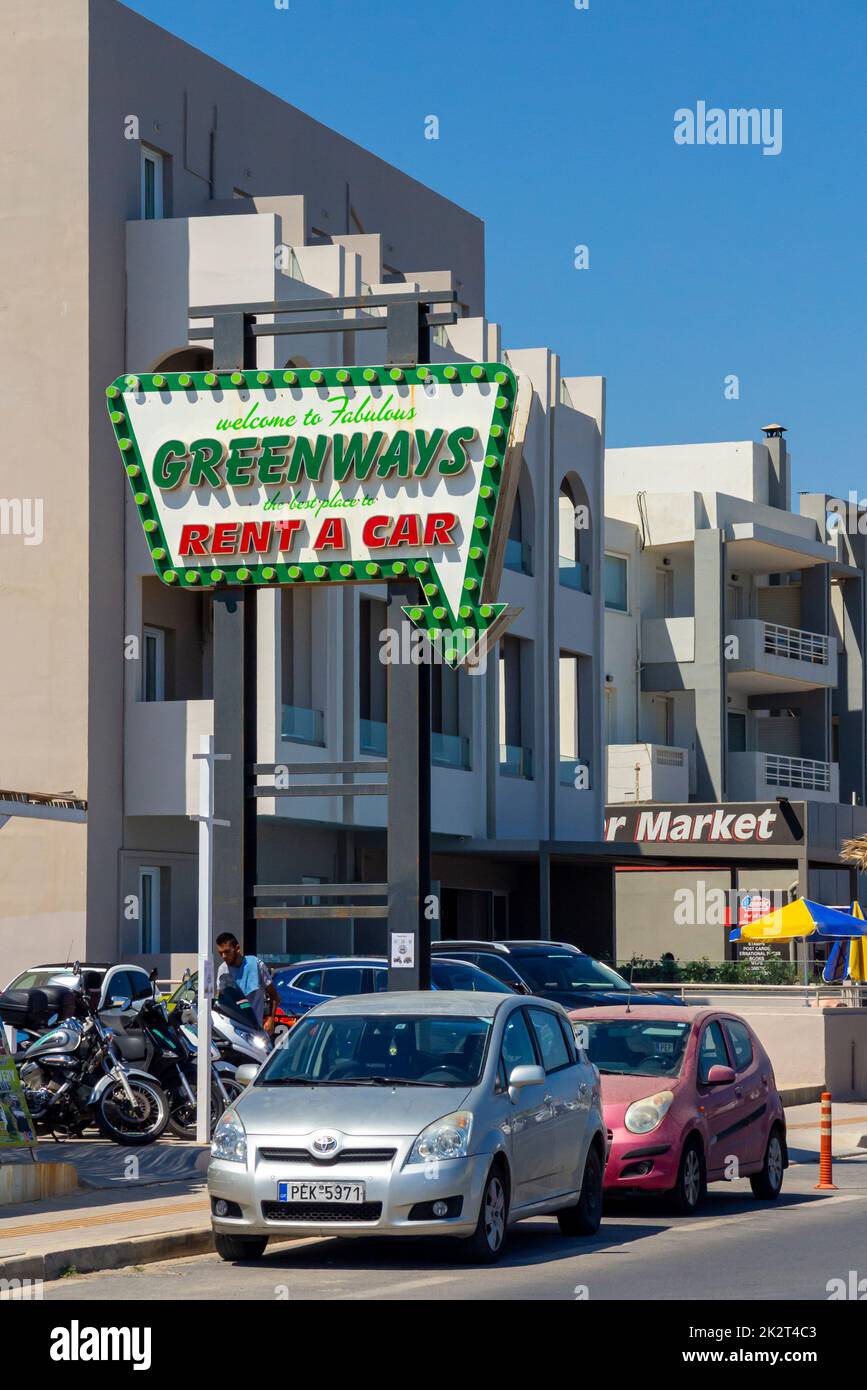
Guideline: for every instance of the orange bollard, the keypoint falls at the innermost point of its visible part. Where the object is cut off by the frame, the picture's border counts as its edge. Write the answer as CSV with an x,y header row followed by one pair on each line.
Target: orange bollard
x,y
825,1158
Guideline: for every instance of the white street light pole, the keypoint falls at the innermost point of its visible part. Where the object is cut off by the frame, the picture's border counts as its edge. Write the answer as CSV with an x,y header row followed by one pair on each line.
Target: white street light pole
x,y
206,757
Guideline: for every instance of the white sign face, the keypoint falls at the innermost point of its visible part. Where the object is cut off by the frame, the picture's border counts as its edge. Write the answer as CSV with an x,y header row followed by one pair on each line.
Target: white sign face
x,y
335,476
402,950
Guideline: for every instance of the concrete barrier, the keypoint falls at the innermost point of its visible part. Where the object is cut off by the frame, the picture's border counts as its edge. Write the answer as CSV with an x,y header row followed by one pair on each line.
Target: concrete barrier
x,y
31,1182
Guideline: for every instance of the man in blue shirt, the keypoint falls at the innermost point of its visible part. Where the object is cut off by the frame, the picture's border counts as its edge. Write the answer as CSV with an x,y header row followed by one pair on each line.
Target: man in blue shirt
x,y
250,975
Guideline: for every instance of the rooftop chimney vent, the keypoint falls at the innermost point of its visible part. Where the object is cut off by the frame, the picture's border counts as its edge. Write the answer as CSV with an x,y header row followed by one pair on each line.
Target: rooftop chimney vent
x,y
773,431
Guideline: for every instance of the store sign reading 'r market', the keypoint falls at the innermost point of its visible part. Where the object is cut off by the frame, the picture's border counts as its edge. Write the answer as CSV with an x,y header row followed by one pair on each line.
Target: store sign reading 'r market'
x,y
744,824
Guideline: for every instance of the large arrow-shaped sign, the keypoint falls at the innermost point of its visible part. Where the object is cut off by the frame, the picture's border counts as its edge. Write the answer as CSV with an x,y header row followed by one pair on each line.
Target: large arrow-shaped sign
x,y
344,475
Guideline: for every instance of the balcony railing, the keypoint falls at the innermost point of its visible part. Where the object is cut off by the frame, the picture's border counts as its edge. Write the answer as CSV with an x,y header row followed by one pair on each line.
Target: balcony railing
x,y
450,750
574,574
300,725
373,737
795,644
446,750
574,772
515,761
804,773
518,557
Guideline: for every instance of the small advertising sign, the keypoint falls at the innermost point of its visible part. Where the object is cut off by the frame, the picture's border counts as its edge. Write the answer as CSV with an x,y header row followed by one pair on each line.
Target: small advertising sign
x,y
402,950
16,1126
344,475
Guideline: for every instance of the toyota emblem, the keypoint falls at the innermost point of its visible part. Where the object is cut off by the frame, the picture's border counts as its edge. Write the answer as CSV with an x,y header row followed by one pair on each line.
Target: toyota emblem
x,y
324,1143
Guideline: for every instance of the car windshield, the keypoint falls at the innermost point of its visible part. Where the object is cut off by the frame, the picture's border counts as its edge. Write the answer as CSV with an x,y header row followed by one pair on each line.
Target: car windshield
x,y
566,972
452,974
38,979
380,1049
642,1046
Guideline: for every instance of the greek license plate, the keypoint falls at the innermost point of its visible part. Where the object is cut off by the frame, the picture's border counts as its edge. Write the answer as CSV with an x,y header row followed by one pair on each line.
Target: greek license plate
x,y
352,1192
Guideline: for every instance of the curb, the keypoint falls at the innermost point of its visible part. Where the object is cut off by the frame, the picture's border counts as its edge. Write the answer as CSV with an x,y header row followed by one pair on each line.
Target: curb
x,y
800,1095
90,1259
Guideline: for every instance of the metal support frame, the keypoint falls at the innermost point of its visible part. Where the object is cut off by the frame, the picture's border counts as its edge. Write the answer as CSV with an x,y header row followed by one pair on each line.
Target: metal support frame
x,y
408,321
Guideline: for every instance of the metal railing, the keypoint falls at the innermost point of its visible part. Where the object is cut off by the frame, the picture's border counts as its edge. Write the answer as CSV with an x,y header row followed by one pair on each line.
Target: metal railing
x,y
806,773
515,761
795,644
299,725
574,574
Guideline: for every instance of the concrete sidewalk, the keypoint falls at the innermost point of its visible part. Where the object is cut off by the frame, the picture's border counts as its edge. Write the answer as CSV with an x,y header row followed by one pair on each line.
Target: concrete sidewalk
x,y
133,1206
848,1130
137,1206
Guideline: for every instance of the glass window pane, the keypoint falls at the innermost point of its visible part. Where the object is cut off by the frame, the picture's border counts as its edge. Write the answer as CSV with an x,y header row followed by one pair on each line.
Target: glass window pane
x,y
615,583
550,1039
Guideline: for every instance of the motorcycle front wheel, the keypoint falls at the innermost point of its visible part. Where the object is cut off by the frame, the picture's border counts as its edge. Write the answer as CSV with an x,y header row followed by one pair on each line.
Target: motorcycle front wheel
x,y
182,1120
122,1123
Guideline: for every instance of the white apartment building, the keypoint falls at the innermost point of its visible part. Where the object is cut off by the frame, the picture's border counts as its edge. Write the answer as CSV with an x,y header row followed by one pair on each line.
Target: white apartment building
x,y
228,195
734,668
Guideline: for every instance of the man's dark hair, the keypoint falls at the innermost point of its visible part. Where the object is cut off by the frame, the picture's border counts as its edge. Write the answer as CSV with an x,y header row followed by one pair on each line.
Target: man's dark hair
x,y
227,938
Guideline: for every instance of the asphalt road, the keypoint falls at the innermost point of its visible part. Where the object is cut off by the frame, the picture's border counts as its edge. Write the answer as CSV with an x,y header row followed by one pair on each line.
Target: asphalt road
x,y
737,1248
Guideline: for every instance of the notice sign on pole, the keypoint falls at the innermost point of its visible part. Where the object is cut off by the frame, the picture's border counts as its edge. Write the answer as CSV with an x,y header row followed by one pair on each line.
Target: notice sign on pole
x,y
344,475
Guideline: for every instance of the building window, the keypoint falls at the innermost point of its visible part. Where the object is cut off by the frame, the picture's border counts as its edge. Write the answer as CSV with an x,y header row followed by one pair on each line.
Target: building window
x,y
737,732
149,910
152,179
664,720
516,716
664,593
373,678
610,714
154,664
616,585
300,722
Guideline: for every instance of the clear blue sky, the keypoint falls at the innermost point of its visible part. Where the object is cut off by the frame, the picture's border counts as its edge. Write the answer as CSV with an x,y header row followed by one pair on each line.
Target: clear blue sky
x,y
556,127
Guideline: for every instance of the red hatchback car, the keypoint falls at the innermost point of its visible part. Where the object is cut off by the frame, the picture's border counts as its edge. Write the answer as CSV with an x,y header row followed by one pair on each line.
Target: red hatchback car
x,y
689,1097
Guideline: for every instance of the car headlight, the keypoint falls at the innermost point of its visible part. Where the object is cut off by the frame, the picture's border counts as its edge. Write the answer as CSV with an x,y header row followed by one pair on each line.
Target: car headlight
x,y
230,1139
644,1115
445,1138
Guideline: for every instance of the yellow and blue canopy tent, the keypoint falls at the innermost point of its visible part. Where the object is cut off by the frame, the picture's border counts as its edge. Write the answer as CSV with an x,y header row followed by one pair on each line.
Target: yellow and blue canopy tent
x,y
847,959
803,920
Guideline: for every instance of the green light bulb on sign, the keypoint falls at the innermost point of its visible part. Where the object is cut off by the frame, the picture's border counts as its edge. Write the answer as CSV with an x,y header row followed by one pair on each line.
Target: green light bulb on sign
x,y
372,568
269,572
192,576
217,576
243,574
210,378
290,378
263,378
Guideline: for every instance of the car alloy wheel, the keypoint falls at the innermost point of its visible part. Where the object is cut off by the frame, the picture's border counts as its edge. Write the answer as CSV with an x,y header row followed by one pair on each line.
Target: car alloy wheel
x,y
495,1212
692,1177
775,1161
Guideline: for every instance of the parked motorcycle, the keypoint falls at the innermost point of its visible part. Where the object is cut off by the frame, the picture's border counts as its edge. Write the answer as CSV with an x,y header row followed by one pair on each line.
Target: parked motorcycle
x,y
74,1075
234,1029
167,1046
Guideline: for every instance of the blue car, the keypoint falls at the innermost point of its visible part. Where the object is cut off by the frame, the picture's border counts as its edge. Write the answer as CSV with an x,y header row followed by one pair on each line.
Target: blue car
x,y
310,982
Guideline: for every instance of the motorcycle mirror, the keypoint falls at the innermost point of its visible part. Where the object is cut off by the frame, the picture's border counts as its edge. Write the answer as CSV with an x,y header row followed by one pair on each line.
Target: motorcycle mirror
x,y
76,969
186,977
153,976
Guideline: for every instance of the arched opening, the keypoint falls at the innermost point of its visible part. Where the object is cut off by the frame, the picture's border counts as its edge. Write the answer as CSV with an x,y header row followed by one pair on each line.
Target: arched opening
x,y
519,546
574,534
184,359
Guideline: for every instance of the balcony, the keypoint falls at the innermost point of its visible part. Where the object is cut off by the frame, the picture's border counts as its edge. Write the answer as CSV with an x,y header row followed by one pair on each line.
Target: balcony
x,y
768,656
518,557
574,772
515,761
298,725
574,575
373,737
446,750
763,776
647,772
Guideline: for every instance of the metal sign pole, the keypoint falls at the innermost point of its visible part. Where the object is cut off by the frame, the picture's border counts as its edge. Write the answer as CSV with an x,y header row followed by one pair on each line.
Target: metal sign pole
x,y
409,742
206,758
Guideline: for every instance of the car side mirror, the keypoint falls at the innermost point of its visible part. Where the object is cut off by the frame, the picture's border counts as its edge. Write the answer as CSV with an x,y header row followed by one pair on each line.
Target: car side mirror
x,y
246,1073
524,1076
720,1076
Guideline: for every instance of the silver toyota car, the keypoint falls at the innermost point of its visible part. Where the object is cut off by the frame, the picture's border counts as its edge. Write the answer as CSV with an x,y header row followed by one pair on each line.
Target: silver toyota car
x,y
416,1114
